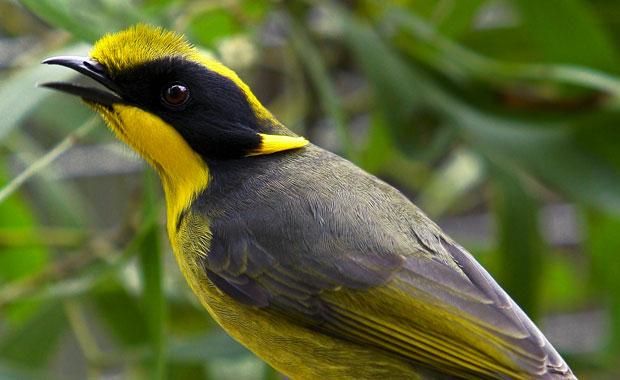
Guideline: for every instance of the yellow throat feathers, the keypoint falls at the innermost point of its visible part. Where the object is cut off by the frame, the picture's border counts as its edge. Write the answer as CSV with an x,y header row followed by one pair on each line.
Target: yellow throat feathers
x,y
183,172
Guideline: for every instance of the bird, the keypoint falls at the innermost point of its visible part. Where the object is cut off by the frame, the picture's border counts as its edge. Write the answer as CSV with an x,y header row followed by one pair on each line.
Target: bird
x,y
318,267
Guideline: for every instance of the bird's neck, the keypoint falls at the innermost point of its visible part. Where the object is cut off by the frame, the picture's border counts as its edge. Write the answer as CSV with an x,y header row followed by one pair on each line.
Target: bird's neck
x,y
183,173
181,188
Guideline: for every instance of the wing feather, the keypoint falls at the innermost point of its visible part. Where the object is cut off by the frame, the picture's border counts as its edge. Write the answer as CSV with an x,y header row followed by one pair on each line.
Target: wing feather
x,y
356,260
421,309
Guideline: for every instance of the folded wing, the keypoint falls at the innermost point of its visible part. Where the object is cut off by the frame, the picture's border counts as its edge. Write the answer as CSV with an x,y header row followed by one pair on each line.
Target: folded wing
x,y
405,302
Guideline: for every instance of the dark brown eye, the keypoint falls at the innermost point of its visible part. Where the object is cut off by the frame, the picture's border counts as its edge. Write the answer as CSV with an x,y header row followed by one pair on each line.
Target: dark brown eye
x,y
175,94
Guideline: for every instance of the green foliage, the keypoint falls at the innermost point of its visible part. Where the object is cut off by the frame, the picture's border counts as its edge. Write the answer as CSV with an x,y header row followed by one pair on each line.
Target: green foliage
x,y
85,20
467,105
519,242
603,243
151,268
589,44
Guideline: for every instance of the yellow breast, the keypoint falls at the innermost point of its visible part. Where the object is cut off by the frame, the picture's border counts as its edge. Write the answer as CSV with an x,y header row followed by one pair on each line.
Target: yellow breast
x,y
293,349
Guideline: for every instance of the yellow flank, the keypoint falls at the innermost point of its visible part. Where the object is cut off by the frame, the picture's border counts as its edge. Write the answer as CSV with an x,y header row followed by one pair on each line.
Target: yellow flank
x,y
277,143
290,347
143,43
183,172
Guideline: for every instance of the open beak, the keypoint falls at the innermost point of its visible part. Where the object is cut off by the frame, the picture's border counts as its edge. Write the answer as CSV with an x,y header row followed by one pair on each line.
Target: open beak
x,y
91,69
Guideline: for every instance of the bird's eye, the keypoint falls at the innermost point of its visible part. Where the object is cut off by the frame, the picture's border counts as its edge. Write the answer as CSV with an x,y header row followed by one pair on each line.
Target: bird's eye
x,y
175,94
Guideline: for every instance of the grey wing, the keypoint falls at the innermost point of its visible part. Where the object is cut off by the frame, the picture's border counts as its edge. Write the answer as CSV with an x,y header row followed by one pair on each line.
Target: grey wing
x,y
353,258
257,273
300,285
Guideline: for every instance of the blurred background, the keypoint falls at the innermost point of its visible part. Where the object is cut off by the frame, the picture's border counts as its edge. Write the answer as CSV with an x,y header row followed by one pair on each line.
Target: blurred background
x,y
499,118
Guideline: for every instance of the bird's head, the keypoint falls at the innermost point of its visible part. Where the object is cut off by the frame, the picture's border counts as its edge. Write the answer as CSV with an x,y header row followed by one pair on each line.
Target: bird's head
x,y
178,108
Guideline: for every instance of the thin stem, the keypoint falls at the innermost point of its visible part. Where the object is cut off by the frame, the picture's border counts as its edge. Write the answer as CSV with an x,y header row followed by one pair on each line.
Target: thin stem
x,y
312,61
86,340
48,158
41,236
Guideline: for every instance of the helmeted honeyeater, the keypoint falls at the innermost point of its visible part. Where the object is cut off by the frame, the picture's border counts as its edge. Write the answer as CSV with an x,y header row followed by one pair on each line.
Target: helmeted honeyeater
x,y
318,267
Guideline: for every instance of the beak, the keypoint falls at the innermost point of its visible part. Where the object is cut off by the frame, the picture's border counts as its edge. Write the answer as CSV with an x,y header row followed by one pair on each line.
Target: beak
x,y
91,69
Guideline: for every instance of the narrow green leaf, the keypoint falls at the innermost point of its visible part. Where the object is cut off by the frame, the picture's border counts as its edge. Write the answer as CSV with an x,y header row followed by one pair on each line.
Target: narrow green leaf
x,y
312,61
603,245
151,268
189,371
375,154
86,20
34,342
567,31
392,82
519,242
43,162
19,92
60,200
563,282
210,27
19,261
270,373
454,17
123,316
458,175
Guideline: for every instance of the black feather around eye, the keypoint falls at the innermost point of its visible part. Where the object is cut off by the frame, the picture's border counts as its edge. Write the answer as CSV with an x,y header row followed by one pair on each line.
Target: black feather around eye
x,y
209,110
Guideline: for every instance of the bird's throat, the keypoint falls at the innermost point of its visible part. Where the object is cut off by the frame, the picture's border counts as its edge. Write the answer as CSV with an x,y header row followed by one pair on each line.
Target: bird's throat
x,y
183,173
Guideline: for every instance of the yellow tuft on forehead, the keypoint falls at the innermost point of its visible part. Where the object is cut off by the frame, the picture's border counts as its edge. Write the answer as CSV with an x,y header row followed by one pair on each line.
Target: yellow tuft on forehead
x,y
144,43
139,44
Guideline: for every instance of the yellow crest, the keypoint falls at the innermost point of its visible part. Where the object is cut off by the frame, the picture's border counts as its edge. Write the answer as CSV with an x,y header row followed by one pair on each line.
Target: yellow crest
x,y
139,44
